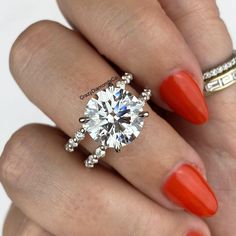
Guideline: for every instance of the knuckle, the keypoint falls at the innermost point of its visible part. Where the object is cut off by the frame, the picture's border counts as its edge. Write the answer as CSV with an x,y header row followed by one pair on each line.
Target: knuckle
x,y
17,223
10,227
29,44
146,225
14,163
121,31
200,10
203,16
30,228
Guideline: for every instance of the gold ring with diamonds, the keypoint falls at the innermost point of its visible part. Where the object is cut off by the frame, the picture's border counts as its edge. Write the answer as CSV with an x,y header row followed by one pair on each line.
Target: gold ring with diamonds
x,y
220,77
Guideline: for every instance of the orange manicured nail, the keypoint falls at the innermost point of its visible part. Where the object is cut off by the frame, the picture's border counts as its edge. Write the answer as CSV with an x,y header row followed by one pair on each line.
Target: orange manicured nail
x,y
187,188
194,234
182,94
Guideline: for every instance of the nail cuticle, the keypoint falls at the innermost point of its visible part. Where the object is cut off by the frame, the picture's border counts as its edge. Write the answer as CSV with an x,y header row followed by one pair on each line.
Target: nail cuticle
x,y
181,163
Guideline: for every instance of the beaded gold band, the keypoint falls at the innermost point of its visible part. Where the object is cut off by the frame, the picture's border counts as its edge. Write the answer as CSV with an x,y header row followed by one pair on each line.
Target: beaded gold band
x,y
220,77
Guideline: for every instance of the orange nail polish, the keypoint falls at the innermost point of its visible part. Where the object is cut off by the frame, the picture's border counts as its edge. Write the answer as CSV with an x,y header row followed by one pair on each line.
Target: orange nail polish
x,y
194,234
182,94
187,188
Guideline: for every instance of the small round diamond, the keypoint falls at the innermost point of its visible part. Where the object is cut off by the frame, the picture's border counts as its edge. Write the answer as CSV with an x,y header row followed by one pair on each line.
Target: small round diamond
x,y
233,61
220,69
79,136
214,72
69,147
120,84
90,161
114,119
225,66
229,64
146,94
73,142
207,75
127,78
100,153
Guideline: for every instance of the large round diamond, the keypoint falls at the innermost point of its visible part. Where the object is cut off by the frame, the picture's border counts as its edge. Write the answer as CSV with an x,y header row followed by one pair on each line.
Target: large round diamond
x,y
114,119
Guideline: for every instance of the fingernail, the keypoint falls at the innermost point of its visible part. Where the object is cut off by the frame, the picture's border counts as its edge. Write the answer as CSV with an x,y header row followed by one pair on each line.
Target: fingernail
x,y
182,94
187,188
194,234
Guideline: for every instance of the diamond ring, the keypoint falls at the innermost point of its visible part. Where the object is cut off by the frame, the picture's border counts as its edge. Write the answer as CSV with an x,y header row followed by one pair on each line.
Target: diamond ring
x,y
221,77
114,117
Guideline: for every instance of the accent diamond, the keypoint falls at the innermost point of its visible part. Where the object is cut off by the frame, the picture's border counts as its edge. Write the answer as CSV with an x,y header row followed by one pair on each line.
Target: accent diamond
x,y
100,153
79,135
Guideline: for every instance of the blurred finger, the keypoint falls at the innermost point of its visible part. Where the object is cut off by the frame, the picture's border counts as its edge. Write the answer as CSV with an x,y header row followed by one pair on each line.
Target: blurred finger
x,y
203,29
17,224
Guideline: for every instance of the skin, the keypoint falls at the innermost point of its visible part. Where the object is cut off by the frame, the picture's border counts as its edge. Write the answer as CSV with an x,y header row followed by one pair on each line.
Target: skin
x,y
34,156
18,224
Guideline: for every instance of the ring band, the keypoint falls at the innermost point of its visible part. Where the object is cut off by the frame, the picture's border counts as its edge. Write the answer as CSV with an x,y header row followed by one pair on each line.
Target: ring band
x,y
220,77
221,68
114,117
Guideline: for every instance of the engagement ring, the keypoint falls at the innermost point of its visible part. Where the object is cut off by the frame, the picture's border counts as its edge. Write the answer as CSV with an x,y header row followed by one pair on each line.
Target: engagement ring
x,y
114,117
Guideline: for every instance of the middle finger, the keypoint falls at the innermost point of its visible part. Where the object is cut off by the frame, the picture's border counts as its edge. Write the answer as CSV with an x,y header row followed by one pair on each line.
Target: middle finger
x,y
138,36
54,66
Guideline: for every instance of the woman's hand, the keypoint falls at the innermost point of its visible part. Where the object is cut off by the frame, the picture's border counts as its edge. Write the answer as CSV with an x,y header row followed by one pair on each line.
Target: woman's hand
x,y
54,66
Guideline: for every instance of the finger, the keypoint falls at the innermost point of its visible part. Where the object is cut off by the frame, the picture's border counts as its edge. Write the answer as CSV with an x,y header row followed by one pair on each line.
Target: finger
x,y
56,191
71,68
140,38
211,49
18,224
207,35
202,28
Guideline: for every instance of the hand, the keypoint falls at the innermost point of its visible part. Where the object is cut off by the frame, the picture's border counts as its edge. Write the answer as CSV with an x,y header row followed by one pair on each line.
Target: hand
x,y
54,66
215,142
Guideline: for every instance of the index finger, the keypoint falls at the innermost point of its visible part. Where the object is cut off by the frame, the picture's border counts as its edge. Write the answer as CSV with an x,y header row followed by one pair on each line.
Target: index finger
x,y
19,224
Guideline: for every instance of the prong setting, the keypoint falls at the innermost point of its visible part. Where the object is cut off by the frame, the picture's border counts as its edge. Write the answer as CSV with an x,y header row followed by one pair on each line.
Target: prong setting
x,y
121,84
93,159
118,148
100,152
127,78
144,114
73,142
90,161
83,120
110,85
145,95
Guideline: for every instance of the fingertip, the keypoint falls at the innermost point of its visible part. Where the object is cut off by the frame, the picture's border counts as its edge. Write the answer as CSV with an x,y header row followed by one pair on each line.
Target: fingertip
x,y
183,95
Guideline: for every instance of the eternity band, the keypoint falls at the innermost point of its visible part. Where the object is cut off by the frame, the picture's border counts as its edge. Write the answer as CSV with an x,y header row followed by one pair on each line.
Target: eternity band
x,y
221,68
220,77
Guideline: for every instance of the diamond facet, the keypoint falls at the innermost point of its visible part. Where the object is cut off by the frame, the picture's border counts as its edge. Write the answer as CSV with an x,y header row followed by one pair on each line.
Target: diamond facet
x,y
114,119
